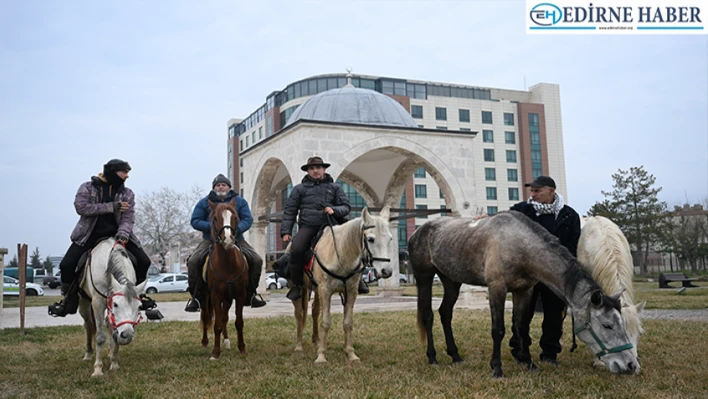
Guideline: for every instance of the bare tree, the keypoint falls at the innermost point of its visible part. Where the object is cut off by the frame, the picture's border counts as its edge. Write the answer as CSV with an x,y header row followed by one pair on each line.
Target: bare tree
x,y
163,217
687,235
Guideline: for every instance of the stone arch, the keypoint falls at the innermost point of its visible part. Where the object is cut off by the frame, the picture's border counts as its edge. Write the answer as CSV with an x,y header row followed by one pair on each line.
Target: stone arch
x,y
362,187
266,185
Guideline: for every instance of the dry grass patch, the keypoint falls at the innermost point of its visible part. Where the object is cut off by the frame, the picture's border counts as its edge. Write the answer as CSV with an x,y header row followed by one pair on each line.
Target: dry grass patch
x,y
166,360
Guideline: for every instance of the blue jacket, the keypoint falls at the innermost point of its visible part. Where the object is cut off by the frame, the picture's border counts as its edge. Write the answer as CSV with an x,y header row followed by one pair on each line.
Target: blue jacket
x,y
200,216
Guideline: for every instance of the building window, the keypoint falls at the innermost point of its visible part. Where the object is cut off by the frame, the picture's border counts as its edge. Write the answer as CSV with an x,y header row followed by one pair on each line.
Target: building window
x,y
491,193
487,117
253,137
443,207
417,111
465,129
509,138
490,174
508,119
488,155
535,173
240,162
241,177
513,194
441,127
464,115
512,175
487,136
240,145
421,191
511,156
492,210
441,194
246,141
422,207
260,132
420,172
533,119
440,114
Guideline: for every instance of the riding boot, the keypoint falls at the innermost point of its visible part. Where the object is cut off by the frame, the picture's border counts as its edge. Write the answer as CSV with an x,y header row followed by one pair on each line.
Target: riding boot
x,y
298,280
70,303
254,299
363,288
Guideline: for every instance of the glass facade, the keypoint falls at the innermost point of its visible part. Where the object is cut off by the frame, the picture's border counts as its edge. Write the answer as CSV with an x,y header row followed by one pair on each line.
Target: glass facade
x,y
535,136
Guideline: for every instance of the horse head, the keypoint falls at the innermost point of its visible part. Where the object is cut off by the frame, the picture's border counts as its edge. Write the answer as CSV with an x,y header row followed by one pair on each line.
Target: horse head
x,y
124,309
603,331
224,224
377,242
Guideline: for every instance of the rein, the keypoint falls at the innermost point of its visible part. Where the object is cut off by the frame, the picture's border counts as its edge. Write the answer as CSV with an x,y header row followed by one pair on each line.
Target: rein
x,y
603,349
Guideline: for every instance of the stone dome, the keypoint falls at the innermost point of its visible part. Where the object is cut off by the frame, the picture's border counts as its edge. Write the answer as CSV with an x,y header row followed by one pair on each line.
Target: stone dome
x,y
353,105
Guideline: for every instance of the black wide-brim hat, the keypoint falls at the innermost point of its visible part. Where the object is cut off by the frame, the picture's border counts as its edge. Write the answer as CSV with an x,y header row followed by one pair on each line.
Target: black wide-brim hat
x,y
314,161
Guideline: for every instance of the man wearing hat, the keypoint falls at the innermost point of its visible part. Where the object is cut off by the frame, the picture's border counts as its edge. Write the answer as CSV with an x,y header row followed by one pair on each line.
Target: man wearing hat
x,y
313,199
222,193
546,207
106,209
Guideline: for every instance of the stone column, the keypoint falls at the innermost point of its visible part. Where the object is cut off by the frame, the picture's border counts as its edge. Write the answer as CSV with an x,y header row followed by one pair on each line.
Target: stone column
x,y
392,285
257,239
3,252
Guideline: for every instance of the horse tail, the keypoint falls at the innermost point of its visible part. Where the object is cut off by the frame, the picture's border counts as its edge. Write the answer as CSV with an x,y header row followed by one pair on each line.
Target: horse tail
x,y
207,316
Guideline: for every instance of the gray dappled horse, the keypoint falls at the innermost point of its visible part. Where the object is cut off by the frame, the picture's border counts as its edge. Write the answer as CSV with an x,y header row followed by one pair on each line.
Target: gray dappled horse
x,y
509,252
344,250
109,280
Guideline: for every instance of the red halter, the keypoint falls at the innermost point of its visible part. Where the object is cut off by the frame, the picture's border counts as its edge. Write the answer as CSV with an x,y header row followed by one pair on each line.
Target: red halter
x,y
112,317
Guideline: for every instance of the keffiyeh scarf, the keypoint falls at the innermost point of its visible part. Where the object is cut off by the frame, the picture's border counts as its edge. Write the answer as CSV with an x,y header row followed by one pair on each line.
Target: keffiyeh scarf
x,y
545,209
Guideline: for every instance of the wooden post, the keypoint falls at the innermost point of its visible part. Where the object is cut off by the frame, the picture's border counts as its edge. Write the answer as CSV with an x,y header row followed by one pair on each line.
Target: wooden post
x,y
22,275
3,252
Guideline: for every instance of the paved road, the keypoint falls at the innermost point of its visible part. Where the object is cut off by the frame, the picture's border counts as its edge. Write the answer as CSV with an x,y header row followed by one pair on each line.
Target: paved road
x,y
278,305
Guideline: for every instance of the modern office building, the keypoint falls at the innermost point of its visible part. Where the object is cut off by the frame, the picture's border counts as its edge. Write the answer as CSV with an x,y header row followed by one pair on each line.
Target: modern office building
x,y
519,136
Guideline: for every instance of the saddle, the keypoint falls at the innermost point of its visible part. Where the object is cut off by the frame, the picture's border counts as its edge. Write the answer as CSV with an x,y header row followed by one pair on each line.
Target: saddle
x,y
281,265
204,261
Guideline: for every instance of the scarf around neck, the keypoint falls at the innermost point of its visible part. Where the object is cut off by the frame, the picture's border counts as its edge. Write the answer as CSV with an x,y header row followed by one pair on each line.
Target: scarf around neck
x,y
545,209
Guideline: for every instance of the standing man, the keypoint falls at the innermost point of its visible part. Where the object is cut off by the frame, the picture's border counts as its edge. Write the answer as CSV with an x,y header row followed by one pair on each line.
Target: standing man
x,y
316,197
106,209
546,207
222,193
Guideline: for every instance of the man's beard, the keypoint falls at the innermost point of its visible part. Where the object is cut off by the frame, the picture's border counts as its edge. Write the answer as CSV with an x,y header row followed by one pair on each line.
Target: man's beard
x,y
221,194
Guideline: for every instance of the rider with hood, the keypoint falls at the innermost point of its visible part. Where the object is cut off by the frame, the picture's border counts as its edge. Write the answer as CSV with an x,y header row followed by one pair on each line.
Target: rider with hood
x,y
222,193
107,209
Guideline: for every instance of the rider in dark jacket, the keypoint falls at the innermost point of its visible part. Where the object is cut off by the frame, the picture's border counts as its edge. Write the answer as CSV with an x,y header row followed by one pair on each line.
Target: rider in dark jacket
x,y
315,198
546,207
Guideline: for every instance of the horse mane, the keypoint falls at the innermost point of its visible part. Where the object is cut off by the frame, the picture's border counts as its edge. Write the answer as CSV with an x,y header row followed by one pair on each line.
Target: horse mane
x,y
574,273
610,262
121,267
350,232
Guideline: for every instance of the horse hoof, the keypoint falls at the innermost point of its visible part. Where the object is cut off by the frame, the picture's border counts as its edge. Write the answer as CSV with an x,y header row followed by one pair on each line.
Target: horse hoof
x,y
354,358
87,357
457,359
227,344
213,358
97,373
298,348
321,360
114,366
498,374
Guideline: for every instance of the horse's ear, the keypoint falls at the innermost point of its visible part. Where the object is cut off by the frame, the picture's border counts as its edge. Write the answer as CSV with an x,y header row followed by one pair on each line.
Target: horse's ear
x,y
115,285
385,212
617,295
640,307
596,298
140,288
233,202
365,213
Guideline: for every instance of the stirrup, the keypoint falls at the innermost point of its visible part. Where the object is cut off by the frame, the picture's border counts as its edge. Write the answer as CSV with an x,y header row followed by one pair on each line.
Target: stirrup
x,y
257,301
147,303
193,301
295,293
58,309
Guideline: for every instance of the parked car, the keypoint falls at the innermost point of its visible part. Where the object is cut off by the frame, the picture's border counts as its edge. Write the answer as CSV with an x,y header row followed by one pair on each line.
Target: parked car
x,y
11,286
166,282
57,280
403,278
369,275
41,277
275,282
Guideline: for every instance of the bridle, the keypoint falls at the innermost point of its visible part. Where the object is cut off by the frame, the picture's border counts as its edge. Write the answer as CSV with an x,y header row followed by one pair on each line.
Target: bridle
x,y
603,349
217,236
112,316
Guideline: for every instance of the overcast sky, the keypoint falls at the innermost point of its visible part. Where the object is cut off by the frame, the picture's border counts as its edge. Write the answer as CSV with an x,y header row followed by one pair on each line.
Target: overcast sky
x,y
155,82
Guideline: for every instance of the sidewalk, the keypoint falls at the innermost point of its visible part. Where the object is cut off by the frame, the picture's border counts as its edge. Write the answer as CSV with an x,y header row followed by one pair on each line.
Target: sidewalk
x,y
278,305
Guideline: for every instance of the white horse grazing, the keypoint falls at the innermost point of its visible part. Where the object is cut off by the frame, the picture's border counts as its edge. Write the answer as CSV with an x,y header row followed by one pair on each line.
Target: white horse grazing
x,y
361,242
604,253
109,280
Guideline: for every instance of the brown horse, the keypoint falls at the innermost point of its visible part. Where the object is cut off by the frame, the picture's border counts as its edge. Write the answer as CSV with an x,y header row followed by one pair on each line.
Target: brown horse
x,y
226,277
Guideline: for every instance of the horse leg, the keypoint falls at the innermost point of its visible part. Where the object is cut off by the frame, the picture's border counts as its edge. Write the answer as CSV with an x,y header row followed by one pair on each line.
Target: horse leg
x,y
113,353
300,311
425,313
326,323
240,303
225,323
523,311
349,324
205,316
99,310
452,291
218,326
497,297
316,306
89,326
